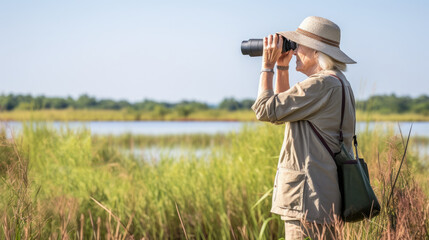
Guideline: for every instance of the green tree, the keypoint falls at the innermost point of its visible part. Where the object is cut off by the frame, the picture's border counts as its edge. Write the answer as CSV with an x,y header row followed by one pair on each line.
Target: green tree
x,y
246,103
230,104
59,103
160,111
85,101
420,105
38,102
25,106
108,104
8,102
149,105
184,110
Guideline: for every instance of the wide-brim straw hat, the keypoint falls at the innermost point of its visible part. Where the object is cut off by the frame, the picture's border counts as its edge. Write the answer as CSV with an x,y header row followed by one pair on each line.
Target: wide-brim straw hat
x,y
320,34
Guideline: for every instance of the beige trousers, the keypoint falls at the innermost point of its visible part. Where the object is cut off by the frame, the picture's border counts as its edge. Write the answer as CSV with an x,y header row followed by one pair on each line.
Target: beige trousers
x,y
297,230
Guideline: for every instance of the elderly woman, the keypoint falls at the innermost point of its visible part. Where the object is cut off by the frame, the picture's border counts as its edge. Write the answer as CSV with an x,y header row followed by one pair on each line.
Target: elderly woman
x,y
306,191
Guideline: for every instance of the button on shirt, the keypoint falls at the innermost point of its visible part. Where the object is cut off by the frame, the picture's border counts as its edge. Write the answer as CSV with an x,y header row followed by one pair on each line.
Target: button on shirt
x,y
306,184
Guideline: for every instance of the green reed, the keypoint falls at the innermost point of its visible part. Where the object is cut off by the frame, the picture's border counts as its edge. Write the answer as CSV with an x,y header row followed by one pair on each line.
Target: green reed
x,y
68,184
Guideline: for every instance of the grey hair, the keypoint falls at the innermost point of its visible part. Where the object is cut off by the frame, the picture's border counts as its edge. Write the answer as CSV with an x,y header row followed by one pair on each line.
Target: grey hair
x,y
328,63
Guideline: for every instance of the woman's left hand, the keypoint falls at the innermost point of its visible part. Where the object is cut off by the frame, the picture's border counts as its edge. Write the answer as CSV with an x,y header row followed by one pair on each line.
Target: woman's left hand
x,y
272,51
285,58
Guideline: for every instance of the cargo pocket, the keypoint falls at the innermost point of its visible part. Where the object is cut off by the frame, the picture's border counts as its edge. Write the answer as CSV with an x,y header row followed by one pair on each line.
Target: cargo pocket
x,y
290,189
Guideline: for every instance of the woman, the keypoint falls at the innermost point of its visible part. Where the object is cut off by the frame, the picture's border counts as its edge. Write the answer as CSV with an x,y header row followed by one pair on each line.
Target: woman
x,y
306,191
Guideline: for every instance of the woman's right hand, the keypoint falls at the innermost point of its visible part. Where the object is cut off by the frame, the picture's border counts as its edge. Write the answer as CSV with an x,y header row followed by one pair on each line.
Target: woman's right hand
x,y
272,51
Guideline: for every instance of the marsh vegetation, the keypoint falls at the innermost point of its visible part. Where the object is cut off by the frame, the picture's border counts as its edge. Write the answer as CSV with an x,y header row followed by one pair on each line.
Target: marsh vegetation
x,y
68,184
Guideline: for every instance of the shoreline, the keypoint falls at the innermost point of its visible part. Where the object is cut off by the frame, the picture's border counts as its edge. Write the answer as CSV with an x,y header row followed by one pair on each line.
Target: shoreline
x,y
212,115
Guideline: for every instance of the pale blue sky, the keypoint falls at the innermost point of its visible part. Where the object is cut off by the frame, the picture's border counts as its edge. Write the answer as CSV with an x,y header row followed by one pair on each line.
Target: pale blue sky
x,y
177,50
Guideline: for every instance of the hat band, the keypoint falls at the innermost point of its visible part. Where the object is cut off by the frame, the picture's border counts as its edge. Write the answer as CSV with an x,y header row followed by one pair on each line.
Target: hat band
x,y
319,38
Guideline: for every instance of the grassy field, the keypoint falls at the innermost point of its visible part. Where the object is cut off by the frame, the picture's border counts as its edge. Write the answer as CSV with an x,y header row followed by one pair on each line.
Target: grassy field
x,y
71,185
206,115
124,115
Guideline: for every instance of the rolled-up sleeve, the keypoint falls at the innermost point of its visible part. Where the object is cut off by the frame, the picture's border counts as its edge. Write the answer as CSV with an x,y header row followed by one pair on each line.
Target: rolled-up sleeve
x,y
298,103
262,106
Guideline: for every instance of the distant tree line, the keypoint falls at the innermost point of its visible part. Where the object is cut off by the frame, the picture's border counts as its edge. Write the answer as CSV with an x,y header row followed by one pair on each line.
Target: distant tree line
x,y
27,102
387,104
380,103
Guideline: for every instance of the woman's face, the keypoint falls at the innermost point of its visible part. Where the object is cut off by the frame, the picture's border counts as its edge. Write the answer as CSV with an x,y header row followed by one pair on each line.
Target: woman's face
x,y
306,60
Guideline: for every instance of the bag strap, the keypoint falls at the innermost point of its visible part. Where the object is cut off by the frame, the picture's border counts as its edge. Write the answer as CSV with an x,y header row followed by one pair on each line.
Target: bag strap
x,y
341,123
342,107
322,140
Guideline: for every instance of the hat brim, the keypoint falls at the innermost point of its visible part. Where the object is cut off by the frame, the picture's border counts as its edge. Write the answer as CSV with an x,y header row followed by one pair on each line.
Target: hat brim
x,y
329,50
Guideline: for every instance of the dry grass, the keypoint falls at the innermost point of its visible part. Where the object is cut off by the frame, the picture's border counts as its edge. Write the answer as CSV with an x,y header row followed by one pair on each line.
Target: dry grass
x,y
405,207
23,217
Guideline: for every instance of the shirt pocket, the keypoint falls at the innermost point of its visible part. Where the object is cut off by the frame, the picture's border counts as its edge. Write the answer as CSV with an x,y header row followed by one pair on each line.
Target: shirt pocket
x,y
290,189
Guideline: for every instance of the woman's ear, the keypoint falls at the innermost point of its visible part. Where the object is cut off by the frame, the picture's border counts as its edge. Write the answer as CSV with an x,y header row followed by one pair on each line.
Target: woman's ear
x,y
316,53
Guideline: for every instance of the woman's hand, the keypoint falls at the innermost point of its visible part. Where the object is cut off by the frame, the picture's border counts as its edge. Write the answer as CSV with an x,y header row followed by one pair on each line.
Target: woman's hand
x,y
272,50
285,58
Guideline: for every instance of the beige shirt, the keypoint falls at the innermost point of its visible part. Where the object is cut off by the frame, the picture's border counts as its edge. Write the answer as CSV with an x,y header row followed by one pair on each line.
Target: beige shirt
x,y
306,184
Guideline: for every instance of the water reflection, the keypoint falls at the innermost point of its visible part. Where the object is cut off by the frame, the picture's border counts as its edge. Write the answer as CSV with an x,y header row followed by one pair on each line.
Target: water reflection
x,y
207,127
142,128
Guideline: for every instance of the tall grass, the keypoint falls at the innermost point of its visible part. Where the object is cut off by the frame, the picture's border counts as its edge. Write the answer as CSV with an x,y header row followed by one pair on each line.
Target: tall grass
x,y
67,184
198,140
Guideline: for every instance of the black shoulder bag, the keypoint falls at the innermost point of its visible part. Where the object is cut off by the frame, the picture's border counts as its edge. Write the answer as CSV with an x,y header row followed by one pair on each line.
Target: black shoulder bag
x,y
358,200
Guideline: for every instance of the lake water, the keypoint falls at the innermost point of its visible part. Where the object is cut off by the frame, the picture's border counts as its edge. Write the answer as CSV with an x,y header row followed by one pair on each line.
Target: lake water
x,y
177,127
207,127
